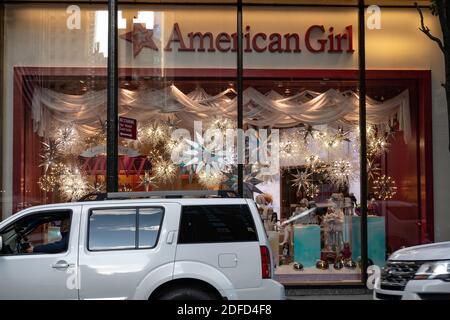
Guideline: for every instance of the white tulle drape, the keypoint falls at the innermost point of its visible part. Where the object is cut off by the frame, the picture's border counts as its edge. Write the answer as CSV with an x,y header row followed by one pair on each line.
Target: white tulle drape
x,y
270,109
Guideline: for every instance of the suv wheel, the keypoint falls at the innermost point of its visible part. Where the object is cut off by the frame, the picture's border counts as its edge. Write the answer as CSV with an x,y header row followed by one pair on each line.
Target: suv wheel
x,y
183,293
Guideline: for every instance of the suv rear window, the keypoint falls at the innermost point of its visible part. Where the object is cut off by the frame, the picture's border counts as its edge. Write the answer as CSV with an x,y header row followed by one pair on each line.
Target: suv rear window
x,y
216,223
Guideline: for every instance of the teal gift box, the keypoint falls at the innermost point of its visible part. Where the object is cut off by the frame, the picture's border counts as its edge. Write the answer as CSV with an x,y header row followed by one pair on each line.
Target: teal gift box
x,y
307,244
376,239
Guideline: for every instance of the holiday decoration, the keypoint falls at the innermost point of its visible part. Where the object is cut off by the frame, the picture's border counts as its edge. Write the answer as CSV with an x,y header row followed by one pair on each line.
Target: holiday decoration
x,y
212,180
312,190
206,155
153,132
73,185
384,187
164,170
97,187
308,130
302,179
292,147
340,172
221,123
147,181
48,183
98,137
315,164
66,139
50,154
373,169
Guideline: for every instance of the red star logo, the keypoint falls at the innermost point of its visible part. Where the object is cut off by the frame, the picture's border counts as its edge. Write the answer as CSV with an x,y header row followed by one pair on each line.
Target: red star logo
x,y
140,37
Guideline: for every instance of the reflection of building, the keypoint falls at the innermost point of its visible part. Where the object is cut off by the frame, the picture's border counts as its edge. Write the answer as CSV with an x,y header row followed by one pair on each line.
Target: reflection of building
x,y
184,70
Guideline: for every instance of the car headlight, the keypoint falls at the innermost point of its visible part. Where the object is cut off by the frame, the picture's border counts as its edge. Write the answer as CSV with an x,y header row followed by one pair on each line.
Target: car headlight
x,y
434,270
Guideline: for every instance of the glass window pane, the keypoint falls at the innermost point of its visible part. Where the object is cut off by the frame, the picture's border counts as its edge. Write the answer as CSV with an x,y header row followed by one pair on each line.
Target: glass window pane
x,y
54,103
216,223
112,229
301,110
402,147
150,221
40,233
177,79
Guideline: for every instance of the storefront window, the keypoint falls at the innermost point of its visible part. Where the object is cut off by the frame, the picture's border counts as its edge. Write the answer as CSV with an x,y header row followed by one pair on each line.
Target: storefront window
x,y
177,85
54,85
179,105
310,202
399,157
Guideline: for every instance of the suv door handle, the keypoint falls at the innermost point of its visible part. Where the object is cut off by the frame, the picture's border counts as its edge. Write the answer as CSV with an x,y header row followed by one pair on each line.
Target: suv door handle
x,y
170,237
61,265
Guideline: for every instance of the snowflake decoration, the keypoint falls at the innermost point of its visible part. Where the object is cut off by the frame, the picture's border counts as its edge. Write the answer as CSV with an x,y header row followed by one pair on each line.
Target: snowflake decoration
x,y
73,185
67,138
251,181
302,179
339,172
315,164
312,190
384,188
292,147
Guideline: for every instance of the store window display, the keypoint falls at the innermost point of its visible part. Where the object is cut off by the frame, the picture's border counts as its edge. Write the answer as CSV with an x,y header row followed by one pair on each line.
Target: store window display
x,y
309,206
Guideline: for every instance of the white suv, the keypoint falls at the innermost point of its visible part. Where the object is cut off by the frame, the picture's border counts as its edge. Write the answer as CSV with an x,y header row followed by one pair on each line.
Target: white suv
x,y
165,248
416,273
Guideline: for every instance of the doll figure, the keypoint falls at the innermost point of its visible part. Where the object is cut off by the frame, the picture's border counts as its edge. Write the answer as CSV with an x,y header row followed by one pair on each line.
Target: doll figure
x,y
372,207
262,201
346,253
333,226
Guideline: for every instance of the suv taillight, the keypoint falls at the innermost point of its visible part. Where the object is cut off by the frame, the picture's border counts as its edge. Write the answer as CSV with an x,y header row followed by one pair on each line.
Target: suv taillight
x,y
265,263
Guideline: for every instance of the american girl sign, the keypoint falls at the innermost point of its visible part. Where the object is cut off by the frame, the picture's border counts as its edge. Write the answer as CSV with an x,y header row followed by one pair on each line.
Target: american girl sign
x,y
315,39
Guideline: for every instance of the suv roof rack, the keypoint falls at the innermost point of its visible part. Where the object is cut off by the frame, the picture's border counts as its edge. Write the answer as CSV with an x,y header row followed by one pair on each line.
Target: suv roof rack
x,y
160,194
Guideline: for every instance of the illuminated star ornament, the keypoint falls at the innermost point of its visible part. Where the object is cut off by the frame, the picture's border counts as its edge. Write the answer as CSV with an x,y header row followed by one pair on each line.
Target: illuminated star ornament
x,y
385,187
147,181
302,179
141,38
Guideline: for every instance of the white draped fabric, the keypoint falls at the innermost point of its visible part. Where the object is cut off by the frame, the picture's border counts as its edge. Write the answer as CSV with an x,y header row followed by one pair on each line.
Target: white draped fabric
x,y
261,110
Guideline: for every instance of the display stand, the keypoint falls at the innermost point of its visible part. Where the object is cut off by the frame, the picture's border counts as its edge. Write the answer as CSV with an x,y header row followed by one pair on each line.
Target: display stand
x,y
307,244
376,239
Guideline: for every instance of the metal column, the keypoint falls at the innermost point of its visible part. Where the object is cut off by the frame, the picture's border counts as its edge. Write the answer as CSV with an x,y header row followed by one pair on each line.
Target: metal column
x,y
363,135
112,153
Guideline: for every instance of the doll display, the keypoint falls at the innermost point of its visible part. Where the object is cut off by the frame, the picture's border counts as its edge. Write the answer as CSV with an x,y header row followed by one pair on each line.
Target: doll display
x,y
333,225
302,207
264,202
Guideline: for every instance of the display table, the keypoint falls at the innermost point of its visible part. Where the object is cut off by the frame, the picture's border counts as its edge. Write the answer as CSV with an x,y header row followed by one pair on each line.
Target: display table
x,y
376,239
307,244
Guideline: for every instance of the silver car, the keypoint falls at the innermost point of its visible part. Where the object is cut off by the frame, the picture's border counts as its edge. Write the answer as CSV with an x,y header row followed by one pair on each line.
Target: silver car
x,y
151,248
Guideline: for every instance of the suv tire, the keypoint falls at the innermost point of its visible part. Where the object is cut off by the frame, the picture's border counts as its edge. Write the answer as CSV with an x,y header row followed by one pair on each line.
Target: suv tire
x,y
183,293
